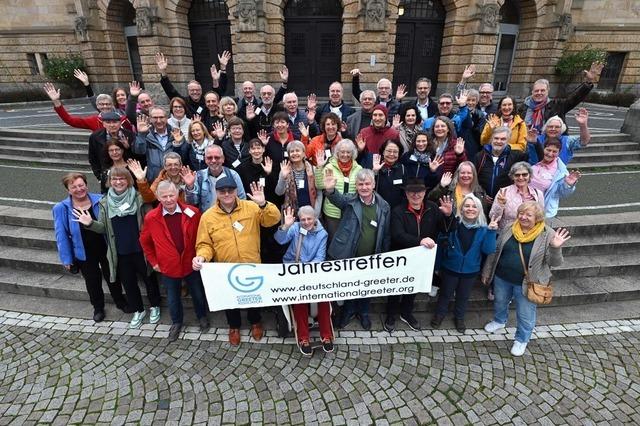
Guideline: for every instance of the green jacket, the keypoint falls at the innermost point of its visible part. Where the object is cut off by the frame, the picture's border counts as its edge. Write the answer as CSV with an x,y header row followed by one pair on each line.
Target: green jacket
x,y
103,226
328,208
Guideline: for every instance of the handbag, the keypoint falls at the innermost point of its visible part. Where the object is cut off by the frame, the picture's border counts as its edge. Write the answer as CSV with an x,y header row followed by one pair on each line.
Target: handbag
x,y
540,294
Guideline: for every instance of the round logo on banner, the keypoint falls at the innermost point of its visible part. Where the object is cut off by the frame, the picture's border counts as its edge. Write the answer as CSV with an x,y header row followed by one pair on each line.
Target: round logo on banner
x,y
239,280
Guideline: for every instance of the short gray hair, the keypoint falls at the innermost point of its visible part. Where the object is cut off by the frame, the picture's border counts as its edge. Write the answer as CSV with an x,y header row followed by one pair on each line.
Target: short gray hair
x,y
346,144
171,156
366,174
520,165
542,81
555,118
165,185
103,97
365,92
473,93
295,144
214,146
307,211
501,129
289,95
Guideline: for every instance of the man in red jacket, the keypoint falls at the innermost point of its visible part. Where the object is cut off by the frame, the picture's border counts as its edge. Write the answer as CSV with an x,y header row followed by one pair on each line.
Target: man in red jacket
x,y
168,240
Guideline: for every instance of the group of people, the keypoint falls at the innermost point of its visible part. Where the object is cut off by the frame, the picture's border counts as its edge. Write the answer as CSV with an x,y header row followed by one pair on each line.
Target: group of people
x,y
219,179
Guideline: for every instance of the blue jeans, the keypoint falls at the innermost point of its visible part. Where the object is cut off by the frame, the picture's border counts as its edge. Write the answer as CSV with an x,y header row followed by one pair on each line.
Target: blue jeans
x,y
174,295
504,292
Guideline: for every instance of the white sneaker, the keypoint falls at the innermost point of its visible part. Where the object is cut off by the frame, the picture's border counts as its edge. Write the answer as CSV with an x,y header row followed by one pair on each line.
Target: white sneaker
x,y
493,326
136,321
518,348
154,314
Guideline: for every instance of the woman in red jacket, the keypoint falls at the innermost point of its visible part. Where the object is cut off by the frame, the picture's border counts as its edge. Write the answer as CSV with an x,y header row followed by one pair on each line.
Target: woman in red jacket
x,y
168,240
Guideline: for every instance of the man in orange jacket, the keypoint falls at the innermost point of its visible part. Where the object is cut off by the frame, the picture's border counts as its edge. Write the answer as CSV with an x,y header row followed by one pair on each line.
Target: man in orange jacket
x,y
168,240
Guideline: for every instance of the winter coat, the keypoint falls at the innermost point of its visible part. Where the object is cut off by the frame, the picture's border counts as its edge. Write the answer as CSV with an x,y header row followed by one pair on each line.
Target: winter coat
x,y
518,139
374,137
203,194
328,208
454,260
494,176
407,233
558,189
67,229
313,247
148,144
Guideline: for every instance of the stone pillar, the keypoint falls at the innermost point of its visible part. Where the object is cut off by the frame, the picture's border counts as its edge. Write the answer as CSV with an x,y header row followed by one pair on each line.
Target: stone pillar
x,y
632,121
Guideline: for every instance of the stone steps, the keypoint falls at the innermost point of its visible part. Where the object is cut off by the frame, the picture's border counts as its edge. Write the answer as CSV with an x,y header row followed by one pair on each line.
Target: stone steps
x,y
43,143
79,155
61,164
605,157
64,135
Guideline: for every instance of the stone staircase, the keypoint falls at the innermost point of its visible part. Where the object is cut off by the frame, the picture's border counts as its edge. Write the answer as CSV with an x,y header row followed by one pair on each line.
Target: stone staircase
x,y
67,150
602,260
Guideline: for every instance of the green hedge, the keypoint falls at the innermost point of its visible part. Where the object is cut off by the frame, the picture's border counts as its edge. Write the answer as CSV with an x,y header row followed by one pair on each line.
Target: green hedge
x,y
60,69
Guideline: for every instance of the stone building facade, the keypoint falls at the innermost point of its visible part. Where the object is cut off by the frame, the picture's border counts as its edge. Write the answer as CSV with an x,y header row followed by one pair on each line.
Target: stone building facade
x,y
512,42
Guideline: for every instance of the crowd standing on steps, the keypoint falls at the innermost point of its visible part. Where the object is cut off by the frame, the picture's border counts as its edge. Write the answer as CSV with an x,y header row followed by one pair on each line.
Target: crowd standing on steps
x,y
474,176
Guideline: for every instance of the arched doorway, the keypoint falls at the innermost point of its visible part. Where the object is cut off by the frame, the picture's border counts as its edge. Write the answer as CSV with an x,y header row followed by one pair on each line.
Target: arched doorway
x,y
418,41
210,36
122,36
506,47
313,44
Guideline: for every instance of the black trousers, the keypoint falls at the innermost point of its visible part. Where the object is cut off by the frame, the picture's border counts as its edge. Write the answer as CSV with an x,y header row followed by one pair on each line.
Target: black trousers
x,y
129,267
400,304
234,320
93,269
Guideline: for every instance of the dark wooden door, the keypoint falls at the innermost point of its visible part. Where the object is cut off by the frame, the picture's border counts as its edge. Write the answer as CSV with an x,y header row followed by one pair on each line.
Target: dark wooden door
x,y
210,36
611,72
418,42
313,45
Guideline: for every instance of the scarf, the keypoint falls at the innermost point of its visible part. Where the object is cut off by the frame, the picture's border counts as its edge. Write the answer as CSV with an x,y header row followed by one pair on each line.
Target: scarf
x,y
458,197
124,204
422,157
535,116
507,120
291,189
345,168
533,233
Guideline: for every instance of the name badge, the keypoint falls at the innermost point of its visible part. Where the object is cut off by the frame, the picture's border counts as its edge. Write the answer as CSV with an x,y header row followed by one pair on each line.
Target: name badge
x,y
346,179
189,212
199,110
374,223
397,181
124,207
286,154
238,226
235,163
413,158
327,153
199,157
261,181
303,231
301,184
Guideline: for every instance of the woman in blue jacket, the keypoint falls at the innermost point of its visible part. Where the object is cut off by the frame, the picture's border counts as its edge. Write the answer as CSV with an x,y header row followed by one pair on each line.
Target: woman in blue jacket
x,y
308,243
82,249
462,258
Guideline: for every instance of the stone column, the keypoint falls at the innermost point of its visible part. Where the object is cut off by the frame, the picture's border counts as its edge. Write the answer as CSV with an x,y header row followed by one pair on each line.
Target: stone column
x,y
632,121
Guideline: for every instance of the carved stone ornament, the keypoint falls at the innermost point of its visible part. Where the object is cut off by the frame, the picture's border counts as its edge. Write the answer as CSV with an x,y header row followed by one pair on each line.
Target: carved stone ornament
x,y
80,26
489,18
375,12
145,17
566,26
249,13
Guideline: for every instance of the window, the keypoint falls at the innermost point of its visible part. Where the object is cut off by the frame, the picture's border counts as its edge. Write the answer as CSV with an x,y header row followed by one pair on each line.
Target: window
x,y
611,72
33,64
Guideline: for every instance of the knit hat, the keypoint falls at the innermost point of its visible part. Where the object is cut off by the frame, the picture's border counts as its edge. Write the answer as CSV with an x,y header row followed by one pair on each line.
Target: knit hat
x,y
382,108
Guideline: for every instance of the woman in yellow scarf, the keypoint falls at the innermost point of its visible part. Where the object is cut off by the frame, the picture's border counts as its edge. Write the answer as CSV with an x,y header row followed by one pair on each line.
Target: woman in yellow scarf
x,y
528,242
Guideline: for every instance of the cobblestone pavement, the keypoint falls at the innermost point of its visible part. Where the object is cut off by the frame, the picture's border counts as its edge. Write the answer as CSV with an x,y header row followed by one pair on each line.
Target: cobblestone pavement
x,y
66,370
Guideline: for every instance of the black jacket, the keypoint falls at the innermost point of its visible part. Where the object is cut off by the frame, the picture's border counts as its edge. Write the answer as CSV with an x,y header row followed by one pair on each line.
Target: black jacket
x,y
193,107
406,233
492,176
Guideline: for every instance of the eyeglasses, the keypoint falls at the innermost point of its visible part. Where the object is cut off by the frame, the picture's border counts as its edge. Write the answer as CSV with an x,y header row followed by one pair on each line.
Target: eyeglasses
x,y
104,104
214,157
520,174
178,107
485,93
391,151
115,150
158,117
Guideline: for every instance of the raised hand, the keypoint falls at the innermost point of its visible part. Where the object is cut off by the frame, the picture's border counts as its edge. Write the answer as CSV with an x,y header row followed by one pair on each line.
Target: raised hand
x,y
459,146
285,168
124,141
257,193
435,163
224,59
251,112
446,204
263,136
582,117
493,120
594,71
559,238
401,92
329,179
321,158
378,162
501,197
137,170
289,217
355,72
188,176
493,225
177,135
134,88
82,216
532,134
311,115
162,63
82,76
312,102
573,177
469,71
52,92
218,130
267,165
304,130
446,179
215,74
361,144
196,117
284,74
143,123
343,126
462,98
396,121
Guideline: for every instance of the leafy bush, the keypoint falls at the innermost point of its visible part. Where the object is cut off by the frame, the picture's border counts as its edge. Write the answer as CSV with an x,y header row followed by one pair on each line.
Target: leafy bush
x,y
61,68
572,63
621,99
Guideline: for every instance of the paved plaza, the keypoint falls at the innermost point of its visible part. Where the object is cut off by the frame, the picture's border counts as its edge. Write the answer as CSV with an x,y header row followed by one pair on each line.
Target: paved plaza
x,y
69,370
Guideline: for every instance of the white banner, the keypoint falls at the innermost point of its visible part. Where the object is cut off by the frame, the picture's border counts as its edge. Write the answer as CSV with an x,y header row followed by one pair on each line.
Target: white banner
x,y
247,285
